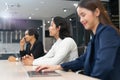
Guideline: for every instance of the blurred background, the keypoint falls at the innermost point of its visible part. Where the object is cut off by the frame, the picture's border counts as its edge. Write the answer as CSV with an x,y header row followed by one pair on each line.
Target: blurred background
x,y
18,15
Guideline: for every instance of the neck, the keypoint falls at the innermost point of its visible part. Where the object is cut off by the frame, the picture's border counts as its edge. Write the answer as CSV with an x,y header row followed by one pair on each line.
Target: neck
x,y
57,37
95,27
32,41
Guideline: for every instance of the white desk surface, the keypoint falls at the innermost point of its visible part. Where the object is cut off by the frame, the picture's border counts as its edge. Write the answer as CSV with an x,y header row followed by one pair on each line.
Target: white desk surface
x,y
17,71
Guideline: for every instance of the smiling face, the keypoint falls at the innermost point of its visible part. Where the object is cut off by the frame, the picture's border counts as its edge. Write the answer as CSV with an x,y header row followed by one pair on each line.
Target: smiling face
x,y
53,30
88,18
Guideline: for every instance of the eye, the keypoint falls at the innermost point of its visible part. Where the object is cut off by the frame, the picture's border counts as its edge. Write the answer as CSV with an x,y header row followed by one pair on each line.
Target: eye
x,y
82,15
26,34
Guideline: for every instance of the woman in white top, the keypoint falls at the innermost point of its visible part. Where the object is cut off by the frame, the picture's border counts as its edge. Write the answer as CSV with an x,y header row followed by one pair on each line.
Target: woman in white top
x,y
63,50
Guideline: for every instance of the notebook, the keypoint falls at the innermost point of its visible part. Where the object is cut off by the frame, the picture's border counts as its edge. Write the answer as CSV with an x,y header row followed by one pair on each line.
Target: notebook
x,y
42,74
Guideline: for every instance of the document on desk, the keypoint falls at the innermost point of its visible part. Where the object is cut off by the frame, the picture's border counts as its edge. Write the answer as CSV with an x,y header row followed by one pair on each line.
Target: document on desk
x,y
42,74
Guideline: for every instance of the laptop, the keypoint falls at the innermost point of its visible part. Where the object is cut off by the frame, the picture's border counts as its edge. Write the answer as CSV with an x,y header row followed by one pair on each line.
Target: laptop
x,y
42,74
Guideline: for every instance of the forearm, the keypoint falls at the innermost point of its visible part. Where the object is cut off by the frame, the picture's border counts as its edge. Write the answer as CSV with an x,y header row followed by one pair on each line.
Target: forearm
x,y
74,65
59,67
45,61
21,48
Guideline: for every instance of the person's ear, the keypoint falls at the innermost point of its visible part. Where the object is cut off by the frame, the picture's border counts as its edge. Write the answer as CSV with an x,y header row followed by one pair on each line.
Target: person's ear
x,y
97,12
59,27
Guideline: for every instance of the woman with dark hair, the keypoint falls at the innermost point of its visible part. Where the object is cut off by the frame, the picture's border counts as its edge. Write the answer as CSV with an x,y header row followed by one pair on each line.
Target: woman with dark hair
x,y
33,45
102,57
63,50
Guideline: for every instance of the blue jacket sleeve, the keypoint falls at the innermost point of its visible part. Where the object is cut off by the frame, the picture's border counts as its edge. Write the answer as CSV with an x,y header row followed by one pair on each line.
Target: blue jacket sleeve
x,y
106,53
74,65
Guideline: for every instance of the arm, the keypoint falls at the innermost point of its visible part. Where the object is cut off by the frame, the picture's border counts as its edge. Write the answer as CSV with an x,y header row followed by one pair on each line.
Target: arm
x,y
109,43
59,54
22,44
74,65
48,55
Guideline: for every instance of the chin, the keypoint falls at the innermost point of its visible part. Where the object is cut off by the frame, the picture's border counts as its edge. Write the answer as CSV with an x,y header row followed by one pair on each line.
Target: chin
x,y
86,28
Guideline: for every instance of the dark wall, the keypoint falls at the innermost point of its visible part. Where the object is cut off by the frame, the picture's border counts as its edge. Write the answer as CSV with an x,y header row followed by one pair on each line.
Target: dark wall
x,y
114,12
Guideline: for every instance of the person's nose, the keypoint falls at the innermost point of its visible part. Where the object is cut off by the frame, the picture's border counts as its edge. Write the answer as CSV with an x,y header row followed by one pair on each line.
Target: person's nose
x,y
81,20
49,28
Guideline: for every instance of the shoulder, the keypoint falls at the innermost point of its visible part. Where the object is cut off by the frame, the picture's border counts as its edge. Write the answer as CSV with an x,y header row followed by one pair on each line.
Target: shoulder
x,y
109,32
110,29
68,43
38,42
68,39
106,30
109,35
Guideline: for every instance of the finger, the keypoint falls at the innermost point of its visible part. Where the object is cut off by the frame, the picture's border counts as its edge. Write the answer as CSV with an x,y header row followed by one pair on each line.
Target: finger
x,y
31,54
47,70
37,69
25,62
29,57
23,57
26,55
40,68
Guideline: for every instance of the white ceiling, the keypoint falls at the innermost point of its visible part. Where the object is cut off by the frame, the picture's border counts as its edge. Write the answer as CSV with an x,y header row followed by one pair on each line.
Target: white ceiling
x,y
37,9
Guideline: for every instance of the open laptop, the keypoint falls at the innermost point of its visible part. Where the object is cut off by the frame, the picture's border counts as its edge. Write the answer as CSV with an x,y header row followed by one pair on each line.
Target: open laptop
x,y
42,74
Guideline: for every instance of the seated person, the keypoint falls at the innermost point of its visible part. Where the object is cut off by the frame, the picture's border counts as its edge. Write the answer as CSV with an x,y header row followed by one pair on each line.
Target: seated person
x,y
102,57
33,45
63,50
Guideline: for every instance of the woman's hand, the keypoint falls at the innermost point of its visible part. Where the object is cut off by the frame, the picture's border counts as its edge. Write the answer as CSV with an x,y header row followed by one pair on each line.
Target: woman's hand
x,y
12,59
48,68
28,60
22,43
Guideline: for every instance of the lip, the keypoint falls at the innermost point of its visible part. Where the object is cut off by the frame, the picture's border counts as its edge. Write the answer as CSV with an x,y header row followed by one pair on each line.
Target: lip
x,y
84,24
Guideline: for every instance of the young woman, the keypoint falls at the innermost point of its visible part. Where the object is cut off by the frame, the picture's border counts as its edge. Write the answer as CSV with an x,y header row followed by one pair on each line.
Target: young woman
x,y
102,57
33,45
63,50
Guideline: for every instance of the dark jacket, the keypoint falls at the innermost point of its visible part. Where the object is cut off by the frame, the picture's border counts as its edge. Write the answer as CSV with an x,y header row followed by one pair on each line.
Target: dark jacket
x,y
37,50
102,57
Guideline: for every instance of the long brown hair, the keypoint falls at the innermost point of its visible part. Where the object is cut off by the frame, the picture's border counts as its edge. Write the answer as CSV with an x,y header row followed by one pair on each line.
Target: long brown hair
x,y
92,5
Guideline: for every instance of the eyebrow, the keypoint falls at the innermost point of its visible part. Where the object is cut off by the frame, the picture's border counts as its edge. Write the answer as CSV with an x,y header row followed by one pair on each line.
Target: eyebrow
x,y
82,13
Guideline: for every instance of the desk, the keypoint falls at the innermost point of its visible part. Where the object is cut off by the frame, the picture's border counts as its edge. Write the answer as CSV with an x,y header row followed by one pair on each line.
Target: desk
x,y
17,71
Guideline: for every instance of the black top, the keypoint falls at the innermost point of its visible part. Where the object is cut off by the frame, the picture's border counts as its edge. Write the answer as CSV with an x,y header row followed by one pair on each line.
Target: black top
x,y
37,50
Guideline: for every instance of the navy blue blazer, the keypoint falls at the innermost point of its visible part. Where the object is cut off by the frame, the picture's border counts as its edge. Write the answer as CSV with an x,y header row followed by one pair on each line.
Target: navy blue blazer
x,y
102,57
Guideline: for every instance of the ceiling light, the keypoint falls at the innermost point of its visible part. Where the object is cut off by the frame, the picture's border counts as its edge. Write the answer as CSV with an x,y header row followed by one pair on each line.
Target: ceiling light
x,y
70,19
75,4
30,18
48,21
65,10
